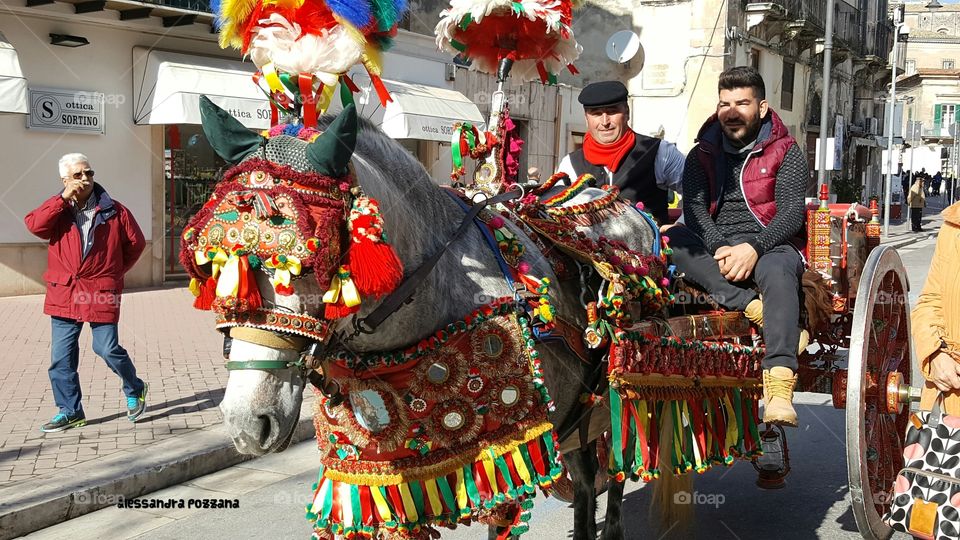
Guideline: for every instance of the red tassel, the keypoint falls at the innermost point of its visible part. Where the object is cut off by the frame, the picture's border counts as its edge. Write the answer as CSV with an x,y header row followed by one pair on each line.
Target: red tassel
x,y
338,311
374,267
248,293
208,291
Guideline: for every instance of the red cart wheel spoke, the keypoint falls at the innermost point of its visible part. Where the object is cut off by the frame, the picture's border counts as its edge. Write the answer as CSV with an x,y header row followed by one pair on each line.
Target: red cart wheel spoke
x,y
879,347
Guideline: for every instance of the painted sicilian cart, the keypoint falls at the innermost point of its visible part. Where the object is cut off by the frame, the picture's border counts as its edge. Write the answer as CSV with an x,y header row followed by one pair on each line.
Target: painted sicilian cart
x,y
457,340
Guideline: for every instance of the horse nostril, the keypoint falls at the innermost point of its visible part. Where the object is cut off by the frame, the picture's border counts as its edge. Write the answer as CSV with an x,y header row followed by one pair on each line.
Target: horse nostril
x,y
265,429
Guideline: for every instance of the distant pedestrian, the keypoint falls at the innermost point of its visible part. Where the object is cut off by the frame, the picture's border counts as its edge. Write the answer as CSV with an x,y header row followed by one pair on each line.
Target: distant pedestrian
x,y
94,241
937,182
917,199
533,175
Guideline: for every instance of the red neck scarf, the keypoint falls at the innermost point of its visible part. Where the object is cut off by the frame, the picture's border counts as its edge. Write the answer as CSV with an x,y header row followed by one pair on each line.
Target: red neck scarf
x,y
608,155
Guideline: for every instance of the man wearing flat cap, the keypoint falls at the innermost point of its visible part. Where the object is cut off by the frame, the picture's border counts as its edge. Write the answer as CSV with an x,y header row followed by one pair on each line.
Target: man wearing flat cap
x,y
644,168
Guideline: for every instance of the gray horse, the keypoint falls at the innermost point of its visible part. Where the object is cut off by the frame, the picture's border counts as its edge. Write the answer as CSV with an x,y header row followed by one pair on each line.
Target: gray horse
x,y
261,406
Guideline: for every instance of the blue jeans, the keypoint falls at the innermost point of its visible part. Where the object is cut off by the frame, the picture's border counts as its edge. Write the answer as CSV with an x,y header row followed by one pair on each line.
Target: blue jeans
x,y
65,357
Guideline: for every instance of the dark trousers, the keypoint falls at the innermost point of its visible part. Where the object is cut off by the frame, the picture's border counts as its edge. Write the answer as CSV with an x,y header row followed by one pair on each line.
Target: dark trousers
x,y
777,274
915,215
65,358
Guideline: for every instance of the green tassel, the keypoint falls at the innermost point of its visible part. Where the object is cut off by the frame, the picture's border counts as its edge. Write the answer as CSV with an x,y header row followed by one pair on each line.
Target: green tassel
x,y
447,493
416,491
327,505
357,509
616,430
465,21
505,471
472,492
458,46
738,411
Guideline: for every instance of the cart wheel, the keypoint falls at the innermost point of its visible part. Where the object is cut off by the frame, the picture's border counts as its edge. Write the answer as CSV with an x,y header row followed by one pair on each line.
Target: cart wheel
x,y
878,378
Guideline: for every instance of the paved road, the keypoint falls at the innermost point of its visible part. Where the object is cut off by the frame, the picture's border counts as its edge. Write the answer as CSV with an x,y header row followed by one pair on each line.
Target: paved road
x,y
273,490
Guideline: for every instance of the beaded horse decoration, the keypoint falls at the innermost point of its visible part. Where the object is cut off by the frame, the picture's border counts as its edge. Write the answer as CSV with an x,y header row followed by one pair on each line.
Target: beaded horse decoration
x,y
280,212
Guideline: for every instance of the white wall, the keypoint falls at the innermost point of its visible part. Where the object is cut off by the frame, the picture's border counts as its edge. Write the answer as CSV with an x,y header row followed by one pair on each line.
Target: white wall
x,y
122,156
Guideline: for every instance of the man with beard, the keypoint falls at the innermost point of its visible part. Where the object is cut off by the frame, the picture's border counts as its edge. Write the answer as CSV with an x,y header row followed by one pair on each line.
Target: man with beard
x,y
644,168
744,210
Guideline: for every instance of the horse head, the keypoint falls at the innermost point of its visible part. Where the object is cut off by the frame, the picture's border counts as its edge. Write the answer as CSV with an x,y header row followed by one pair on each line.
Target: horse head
x,y
261,252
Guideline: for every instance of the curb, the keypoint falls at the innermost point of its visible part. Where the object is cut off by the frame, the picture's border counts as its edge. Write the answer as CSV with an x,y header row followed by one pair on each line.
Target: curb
x,y
99,483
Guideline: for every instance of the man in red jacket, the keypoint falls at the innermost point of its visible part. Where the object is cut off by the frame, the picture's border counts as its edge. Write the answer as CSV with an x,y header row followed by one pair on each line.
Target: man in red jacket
x,y
94,241
743,187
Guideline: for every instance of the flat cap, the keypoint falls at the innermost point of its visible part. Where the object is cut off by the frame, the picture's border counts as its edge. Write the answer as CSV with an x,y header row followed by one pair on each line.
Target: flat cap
x,y
600,94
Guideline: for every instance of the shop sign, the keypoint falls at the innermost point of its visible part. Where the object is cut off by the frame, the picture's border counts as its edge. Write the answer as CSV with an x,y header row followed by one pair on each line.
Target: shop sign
x,y
71,111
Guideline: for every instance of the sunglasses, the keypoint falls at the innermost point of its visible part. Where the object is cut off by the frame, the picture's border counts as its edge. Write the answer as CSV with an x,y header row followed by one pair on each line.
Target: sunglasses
x,y
79,175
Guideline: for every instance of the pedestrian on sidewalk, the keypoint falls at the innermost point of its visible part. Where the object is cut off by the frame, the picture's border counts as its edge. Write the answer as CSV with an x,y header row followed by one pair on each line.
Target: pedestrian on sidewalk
x,y
917,199
936,320
94,241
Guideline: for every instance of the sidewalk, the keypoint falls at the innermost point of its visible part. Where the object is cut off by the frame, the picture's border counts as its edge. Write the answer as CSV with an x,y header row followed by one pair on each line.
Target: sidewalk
x,y
50,478
46,478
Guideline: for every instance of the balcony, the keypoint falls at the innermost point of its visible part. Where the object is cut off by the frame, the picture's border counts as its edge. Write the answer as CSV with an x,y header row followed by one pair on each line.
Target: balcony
x,y
804,21
172,12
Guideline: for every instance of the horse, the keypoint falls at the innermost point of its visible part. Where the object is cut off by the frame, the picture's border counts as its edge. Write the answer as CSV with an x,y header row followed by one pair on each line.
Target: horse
x,y
261,406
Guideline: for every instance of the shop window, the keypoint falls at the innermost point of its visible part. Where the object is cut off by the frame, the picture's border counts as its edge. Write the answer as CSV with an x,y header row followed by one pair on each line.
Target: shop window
x,y
191,170
948,64
786,87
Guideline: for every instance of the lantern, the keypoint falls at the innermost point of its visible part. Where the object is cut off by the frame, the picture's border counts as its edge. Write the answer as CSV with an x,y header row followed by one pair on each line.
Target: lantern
x,y
774,464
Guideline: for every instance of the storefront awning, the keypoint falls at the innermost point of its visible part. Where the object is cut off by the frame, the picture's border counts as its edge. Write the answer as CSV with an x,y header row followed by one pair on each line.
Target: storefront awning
x,y
13,87
167,87
417,111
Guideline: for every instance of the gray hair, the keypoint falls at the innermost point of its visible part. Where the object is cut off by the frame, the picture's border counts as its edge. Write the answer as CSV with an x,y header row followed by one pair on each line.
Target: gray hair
x,y
70,159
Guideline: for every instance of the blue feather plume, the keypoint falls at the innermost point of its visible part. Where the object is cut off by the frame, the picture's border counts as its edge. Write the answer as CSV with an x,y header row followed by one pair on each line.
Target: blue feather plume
x,y
355,12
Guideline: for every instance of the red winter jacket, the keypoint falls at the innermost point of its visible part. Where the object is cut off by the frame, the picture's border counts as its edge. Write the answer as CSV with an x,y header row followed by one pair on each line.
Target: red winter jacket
x,y
86,290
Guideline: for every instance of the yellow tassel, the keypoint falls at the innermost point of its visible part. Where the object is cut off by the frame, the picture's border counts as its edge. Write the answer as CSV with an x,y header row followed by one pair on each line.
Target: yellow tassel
x,y
433,495
229,280
520,465
195,286
382,507
408,506
461,489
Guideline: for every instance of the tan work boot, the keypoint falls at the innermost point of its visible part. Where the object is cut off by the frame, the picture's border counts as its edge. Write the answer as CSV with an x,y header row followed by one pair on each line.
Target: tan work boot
x,y
778,384
754,312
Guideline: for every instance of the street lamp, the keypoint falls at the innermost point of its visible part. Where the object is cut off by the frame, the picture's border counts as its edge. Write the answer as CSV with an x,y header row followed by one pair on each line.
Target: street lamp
x,y
897,25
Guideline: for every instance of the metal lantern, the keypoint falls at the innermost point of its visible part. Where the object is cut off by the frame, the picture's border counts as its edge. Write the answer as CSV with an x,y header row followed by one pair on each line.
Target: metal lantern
x,y
774,465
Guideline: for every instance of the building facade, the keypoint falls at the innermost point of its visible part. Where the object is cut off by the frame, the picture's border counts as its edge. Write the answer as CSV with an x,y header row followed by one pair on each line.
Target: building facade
x,y
930,89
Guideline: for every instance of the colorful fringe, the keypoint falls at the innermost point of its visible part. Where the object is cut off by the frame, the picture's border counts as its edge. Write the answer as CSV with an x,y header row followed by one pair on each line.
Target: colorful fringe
x,y
711,391
705,431
507,474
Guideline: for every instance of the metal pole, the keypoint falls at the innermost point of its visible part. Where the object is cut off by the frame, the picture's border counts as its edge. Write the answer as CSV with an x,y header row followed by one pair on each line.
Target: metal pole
x,y
825,101
893,108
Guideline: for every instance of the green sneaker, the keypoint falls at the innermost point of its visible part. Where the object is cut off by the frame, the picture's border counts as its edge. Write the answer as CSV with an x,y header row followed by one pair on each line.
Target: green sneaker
x,y
62,422
136,405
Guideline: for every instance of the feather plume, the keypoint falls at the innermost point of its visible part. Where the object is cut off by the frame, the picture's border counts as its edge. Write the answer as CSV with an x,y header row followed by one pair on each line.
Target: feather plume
x,y
233,17
356,13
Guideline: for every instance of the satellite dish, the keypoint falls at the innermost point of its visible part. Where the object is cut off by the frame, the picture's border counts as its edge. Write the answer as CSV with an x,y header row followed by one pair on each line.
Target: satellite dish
x,y
623,46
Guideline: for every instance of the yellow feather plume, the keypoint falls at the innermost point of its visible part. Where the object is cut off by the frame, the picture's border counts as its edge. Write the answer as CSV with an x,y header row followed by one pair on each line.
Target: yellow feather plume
x,y
234,14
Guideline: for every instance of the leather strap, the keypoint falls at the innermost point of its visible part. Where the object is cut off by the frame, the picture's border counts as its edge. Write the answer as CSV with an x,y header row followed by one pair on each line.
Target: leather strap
x,y
405,291
262,364
267,338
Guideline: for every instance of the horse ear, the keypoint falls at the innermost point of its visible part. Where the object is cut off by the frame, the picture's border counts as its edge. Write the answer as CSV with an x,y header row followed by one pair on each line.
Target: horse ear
x,y
330,153
228,137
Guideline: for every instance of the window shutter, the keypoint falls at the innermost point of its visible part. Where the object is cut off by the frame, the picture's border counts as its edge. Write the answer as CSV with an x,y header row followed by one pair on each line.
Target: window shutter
x,y
937,118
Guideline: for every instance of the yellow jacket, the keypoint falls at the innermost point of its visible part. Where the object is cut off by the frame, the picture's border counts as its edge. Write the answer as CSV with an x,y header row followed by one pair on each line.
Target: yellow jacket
x,y
937,315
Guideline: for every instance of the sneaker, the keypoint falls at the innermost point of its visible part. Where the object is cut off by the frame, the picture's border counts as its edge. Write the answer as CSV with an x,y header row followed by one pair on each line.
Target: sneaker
x,y
62,422
136,405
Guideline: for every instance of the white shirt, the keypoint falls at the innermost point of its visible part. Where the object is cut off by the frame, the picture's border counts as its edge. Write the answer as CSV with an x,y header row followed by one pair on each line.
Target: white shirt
x,y
667,167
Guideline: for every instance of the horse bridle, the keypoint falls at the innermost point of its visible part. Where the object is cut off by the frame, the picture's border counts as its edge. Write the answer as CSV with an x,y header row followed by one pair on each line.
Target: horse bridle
x,y
309,361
